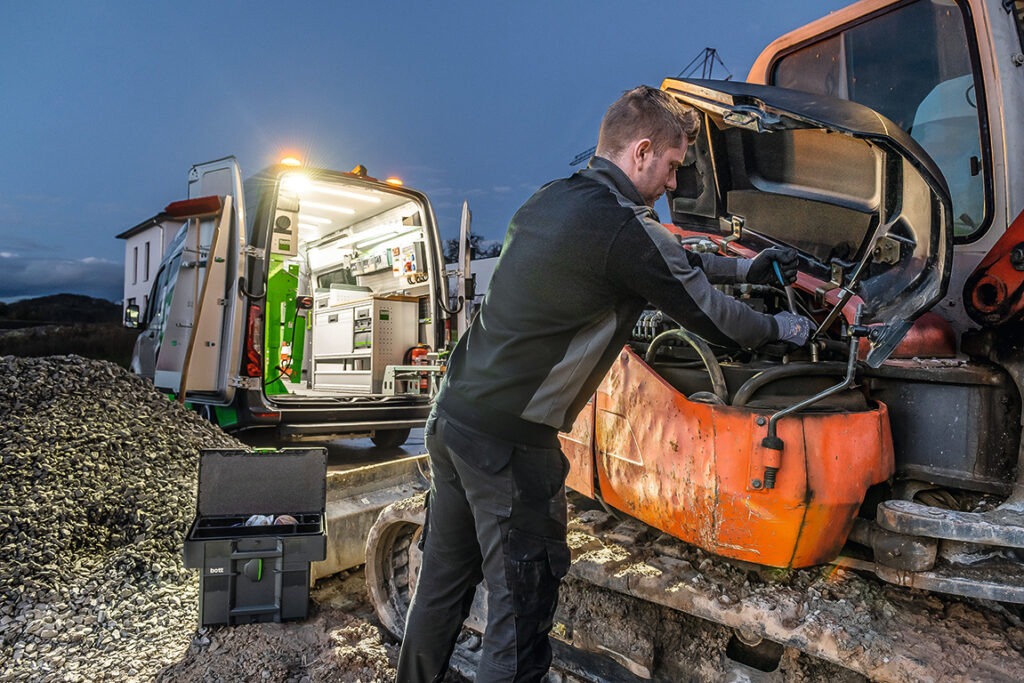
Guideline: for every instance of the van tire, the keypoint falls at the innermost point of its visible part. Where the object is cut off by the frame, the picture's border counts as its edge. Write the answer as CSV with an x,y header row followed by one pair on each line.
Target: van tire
x,y
206,412
390,438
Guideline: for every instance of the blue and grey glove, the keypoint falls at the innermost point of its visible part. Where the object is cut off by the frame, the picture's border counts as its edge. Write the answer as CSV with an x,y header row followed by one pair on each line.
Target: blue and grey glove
x,y
776,266
792,328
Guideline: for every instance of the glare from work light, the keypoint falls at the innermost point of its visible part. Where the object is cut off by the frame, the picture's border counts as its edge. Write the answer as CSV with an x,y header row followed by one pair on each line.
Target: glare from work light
x,y
316,219
329,207
296,182
290,161
397,182
349,194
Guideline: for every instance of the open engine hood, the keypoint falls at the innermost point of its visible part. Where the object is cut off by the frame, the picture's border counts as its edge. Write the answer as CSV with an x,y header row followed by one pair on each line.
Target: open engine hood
x,y
864,204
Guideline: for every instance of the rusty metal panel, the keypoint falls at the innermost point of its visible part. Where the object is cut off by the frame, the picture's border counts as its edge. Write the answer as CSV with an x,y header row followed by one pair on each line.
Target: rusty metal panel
x,y
578,447
694,469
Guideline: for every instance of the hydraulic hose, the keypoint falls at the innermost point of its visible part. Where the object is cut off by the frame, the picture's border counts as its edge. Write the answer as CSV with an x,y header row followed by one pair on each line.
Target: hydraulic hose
x,y
718,385
766,377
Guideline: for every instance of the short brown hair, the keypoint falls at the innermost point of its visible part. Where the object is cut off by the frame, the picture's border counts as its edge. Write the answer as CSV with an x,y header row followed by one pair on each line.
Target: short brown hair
x,y
646,112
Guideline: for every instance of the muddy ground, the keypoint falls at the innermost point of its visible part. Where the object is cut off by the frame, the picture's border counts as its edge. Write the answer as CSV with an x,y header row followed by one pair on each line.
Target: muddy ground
x,y
340,641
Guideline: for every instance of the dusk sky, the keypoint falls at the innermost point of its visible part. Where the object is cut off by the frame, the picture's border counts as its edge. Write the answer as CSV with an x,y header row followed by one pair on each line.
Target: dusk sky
x,y
106,105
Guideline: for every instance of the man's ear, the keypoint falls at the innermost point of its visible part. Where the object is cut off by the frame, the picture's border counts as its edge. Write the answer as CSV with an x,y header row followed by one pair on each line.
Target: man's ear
x,y
641,153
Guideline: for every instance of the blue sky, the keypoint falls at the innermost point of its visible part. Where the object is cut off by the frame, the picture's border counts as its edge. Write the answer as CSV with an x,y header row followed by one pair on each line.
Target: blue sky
x,y
106,105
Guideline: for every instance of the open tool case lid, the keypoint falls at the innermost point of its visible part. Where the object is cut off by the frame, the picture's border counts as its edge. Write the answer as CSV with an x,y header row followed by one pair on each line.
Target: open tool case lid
x,y
241,482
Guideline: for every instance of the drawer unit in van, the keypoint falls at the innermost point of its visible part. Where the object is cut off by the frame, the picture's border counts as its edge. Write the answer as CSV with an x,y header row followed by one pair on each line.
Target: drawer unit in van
x,y
353,342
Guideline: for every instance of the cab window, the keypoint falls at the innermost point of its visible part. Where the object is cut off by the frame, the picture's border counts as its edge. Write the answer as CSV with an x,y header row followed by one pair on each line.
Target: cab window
x,y
914,65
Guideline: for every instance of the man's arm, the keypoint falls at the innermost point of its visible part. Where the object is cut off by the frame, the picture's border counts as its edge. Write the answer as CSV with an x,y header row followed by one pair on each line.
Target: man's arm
x,y
646,259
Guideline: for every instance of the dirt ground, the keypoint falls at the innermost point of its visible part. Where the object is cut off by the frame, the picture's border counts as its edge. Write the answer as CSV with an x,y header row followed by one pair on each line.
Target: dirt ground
x,y
98,489
340,641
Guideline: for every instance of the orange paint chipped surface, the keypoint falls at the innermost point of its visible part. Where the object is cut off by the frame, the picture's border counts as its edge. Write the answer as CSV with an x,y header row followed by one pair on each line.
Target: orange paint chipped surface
x,y
689,469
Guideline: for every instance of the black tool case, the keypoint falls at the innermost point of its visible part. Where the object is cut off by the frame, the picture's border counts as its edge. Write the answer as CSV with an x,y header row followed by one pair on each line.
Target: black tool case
x,y
257,573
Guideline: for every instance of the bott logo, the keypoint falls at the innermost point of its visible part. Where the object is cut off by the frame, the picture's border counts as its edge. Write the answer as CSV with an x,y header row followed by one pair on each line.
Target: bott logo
x,y
216,570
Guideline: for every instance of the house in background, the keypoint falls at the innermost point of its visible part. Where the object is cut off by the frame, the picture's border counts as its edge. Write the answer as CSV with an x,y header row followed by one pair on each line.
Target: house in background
x,y
144,248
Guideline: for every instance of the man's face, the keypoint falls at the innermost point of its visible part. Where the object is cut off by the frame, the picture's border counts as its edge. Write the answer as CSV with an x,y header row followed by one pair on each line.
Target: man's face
x,y
654,173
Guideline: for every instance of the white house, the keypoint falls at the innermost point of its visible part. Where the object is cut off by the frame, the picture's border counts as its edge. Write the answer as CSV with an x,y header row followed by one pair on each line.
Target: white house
x,y
144,248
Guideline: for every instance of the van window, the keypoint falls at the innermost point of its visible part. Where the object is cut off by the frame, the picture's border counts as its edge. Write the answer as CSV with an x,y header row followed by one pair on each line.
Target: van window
x,y
914,65
159,299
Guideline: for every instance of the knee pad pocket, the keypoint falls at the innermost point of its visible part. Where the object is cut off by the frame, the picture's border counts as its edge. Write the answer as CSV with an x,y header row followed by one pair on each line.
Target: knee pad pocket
x,y
536,567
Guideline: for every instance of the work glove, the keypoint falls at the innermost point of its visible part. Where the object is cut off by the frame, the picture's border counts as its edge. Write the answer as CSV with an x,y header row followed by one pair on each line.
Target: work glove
x,y
792,328
763,270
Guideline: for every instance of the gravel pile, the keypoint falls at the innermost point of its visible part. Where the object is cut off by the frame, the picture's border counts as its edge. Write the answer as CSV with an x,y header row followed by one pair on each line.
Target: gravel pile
x,y
97,489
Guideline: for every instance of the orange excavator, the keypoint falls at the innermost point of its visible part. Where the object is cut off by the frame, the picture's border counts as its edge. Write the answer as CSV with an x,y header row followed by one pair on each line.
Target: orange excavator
x,y
818,506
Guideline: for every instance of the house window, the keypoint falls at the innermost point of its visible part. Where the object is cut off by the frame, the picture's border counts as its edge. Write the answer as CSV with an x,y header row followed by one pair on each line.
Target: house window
x,y
146,266
135,265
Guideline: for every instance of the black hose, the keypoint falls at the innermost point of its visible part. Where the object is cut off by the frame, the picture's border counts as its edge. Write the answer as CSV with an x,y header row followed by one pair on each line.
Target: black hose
x,y
246,292
456,310
765,377
291,343
718,385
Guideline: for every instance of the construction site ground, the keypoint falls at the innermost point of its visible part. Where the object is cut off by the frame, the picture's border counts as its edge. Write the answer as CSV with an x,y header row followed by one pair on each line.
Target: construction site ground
x,y
98,490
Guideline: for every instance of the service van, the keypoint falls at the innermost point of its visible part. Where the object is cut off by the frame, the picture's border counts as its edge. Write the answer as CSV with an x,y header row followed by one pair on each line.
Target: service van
x,y
309,303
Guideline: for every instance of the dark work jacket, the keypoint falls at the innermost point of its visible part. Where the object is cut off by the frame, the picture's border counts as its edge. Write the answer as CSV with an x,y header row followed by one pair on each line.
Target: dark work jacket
x,y
580,260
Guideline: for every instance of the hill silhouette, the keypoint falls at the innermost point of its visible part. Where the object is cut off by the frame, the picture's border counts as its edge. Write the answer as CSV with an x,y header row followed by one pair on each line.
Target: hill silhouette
x,y
65,324
61,309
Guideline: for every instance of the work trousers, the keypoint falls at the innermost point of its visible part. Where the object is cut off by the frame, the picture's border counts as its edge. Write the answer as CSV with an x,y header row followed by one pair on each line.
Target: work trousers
x,y
497,512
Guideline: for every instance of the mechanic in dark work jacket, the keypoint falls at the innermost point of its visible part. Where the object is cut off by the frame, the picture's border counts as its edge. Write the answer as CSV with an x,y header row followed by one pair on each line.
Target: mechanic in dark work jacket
x,y
580,260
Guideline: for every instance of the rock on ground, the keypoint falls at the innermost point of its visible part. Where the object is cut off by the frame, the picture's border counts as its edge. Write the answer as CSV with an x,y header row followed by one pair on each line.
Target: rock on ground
x,y
97,491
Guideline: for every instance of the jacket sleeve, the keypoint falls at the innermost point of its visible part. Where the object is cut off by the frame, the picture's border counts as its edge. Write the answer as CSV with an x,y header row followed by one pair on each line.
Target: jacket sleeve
x,y
646,259
720,270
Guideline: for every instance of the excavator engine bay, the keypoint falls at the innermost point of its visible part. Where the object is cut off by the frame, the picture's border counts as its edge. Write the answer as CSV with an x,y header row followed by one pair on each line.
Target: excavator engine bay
x,y
706,469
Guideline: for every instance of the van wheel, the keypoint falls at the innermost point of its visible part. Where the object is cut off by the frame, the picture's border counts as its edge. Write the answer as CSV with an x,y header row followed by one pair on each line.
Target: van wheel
x,y
207,413
390,438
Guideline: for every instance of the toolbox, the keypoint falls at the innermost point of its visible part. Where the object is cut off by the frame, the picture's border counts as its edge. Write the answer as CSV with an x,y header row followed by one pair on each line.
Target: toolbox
x,y
259,523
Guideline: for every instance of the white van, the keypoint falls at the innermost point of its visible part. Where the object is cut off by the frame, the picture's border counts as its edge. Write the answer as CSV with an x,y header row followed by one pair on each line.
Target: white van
x,y
304,301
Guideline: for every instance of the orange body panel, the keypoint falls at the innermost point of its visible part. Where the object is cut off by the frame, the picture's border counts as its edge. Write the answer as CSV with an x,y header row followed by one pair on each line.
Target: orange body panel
x,y
578,447
689,469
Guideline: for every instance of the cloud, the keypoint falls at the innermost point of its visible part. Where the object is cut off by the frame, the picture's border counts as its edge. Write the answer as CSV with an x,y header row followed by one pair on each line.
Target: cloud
x,y
30,277
500,189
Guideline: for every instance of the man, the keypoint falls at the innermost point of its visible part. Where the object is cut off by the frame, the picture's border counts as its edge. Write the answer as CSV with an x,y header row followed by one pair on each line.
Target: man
x,y
580,259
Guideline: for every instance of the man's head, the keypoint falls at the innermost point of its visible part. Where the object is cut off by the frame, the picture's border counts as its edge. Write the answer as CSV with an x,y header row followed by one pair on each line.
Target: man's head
x,y
645,133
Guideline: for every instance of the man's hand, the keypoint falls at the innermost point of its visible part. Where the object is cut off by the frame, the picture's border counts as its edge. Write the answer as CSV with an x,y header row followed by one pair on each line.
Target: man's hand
x,y
793,328
763,271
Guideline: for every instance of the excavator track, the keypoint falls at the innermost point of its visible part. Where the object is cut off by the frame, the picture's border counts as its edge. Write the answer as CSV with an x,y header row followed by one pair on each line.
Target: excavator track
x,y
626,614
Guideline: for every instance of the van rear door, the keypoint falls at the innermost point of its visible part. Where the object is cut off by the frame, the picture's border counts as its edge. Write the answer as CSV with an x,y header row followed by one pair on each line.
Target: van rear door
x,y
217,354
189,358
